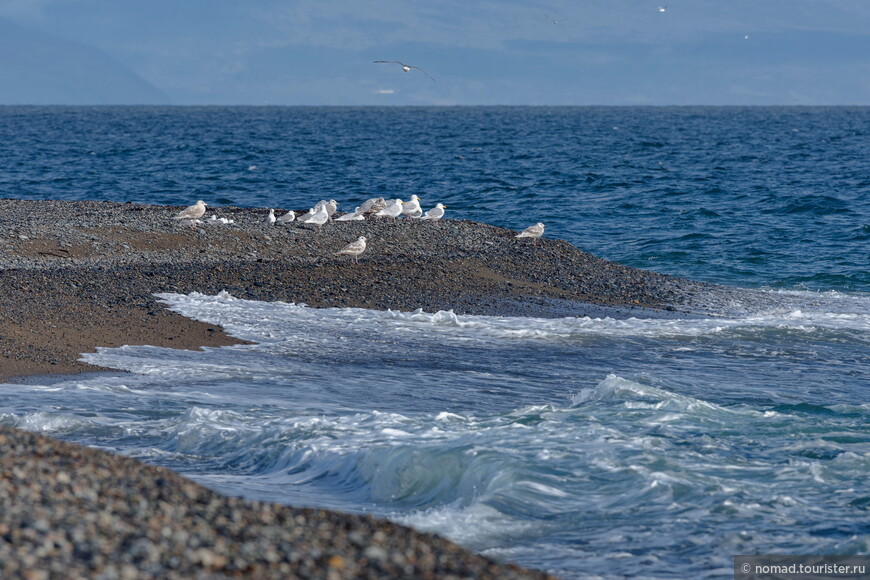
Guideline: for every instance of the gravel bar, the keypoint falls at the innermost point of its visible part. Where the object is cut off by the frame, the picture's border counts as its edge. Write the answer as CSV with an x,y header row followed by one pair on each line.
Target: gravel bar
x,y
80,274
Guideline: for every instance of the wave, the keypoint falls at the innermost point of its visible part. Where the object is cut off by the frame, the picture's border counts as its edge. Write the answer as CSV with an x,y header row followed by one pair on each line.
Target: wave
x,y
508,435
627,457
272,322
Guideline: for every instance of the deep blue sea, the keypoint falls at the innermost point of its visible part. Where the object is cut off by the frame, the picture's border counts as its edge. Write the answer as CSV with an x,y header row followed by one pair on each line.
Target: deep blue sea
x,y
586,447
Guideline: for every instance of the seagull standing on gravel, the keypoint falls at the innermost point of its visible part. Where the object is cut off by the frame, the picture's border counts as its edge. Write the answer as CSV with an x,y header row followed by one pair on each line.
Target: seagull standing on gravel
x,y
394,209
271,219
331,207
287,217
412,207
436,213
354,249
534,232
319,218
406,67
193,212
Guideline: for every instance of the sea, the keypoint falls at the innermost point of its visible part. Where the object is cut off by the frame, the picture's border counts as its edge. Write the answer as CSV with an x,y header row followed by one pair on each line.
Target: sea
x,y
586,447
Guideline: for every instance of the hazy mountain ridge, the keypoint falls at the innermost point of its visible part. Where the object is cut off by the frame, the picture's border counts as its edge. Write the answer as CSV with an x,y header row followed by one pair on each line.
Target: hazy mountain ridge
x,y
40,69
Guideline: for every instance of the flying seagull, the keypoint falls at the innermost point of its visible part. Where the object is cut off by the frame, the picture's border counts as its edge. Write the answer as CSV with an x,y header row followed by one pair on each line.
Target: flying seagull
x,y
406,67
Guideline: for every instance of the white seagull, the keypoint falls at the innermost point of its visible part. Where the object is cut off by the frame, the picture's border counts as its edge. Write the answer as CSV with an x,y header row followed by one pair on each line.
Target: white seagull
x,y
271,218
534,232
331,206
412,207
304,217
436,213
406,67
356,215
354,249
394,209
193,212
287,217
319,218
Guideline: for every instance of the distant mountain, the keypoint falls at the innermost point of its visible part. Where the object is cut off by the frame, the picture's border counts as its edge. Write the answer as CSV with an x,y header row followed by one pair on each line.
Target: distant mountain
x,y
41,69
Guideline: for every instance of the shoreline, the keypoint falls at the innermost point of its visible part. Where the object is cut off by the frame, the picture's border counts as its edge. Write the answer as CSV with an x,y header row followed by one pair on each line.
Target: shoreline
x,y
74,512
77,275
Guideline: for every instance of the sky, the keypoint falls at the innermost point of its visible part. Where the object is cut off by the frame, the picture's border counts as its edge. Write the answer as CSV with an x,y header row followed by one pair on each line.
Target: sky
x,y
479,52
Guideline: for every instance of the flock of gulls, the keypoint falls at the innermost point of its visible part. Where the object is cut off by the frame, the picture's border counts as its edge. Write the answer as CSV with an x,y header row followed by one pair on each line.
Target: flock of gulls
x,y
324,211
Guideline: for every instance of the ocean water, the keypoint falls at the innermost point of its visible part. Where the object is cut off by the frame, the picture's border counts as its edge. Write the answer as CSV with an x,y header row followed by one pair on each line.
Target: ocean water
x,y
586,447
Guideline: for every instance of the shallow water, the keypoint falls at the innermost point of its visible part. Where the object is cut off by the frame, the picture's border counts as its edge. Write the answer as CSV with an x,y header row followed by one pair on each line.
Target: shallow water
x,y
642,447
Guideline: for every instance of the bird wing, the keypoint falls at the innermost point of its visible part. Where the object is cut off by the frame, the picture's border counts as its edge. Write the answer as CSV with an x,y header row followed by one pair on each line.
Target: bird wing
x,y
422,71
407,65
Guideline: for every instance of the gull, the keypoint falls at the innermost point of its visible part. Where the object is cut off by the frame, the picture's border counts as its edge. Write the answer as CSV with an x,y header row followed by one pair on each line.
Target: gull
x,y
662,8
534,232
306,216
354,249
436,213
394,209
319,217
412,207
555,19
271,219
356,215
373,205
193,212
287,217
331,206
406,67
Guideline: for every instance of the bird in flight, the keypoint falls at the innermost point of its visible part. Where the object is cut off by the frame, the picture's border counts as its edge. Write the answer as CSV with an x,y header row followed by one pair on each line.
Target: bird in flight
x,y
407,67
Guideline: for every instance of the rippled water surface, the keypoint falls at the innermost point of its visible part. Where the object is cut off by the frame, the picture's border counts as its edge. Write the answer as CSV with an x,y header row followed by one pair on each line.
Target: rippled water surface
x,y
640,448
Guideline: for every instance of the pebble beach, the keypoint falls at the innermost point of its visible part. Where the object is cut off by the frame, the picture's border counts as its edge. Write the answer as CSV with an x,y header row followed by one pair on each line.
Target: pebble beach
x,y
81,275
77,275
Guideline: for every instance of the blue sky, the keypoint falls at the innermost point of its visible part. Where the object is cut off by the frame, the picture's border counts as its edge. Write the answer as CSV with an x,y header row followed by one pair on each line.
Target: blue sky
x,y
480,52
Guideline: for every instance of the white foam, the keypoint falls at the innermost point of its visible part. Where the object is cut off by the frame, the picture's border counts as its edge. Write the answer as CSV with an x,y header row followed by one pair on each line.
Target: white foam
x,y
280,322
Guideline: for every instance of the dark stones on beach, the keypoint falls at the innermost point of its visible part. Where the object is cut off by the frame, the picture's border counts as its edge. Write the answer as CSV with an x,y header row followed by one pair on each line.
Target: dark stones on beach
x,y
71,512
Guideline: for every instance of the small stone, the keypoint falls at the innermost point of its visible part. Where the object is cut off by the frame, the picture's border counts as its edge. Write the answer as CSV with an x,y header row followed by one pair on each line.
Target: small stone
x,y
336,562
376,553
